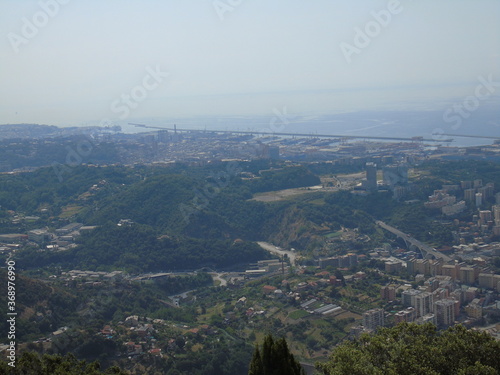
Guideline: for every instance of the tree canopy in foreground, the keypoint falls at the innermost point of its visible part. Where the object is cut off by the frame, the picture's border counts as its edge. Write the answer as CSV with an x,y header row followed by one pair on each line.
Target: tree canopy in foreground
x,y
417,350
33,364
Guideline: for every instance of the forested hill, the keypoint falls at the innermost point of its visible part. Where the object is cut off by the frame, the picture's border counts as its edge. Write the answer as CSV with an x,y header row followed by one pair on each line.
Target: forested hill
x,y
183,218
188,217
138,249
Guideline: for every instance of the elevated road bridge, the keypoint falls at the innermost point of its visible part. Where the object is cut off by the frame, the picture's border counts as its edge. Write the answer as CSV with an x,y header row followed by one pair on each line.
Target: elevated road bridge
x,y
426,250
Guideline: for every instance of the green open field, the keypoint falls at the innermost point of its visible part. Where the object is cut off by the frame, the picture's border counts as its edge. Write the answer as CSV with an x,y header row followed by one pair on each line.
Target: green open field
x,y
69,211
297,314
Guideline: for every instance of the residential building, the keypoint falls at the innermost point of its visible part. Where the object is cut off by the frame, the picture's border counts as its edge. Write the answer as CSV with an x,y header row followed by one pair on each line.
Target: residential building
x,y
345,261
450,270
485,216
487,280
445,312
496,214
407,315
408,297
393,267
429,318
388,293
474,310
454,208
467,275
479,199
431,284
373,318
423,303
38,236
466,184
469,195
371,176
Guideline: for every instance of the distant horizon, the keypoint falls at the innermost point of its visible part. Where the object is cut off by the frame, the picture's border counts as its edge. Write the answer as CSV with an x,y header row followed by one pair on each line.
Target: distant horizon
x,y
395,99
384,123
185,60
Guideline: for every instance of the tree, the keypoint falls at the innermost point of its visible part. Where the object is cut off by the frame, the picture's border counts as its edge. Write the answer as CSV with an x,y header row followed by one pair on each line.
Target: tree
x,y
338,274
31,363
416,349
256,365
274,359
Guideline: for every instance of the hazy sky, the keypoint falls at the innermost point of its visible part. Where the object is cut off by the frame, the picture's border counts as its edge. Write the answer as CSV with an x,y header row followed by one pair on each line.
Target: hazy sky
x,y
70,61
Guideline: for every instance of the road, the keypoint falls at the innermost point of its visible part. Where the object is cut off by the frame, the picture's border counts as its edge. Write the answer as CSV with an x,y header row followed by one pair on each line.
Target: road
x,y
272,249
413,241
218,276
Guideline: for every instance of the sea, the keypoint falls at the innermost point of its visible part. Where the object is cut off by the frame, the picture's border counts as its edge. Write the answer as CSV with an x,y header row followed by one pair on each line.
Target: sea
x,y
465,129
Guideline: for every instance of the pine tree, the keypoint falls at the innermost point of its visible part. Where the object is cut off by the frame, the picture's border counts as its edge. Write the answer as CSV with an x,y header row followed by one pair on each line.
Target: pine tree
x,y
274,359
256,365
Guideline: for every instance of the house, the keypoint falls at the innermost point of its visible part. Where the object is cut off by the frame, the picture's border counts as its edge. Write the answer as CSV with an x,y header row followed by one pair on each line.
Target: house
x,y
241,302
268,289
230,316
137,349
107,331
322,274
278,293
172,345
132,320
312,284
156,352
207,330
130,346
145,330
133,348
302,286
125,223
359,275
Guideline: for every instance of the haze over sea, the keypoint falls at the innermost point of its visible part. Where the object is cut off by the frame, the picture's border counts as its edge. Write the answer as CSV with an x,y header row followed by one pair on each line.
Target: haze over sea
x,y
428,118
365,67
